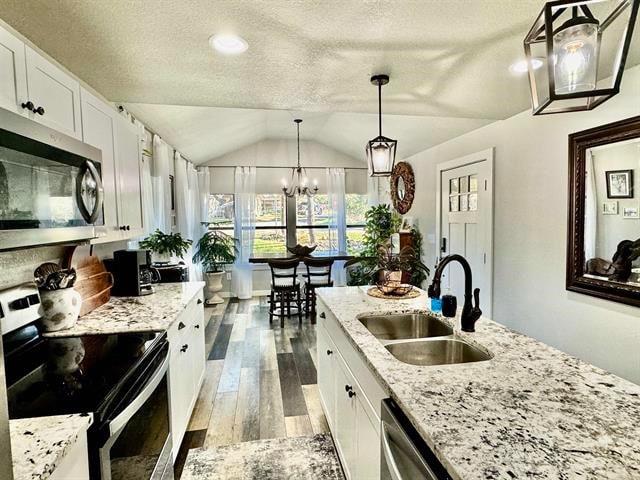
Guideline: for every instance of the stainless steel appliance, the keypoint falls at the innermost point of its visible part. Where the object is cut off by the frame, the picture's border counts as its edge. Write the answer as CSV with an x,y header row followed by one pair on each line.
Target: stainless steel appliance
x,y
6,465
170,273
50,185
132,272
120,378
404,455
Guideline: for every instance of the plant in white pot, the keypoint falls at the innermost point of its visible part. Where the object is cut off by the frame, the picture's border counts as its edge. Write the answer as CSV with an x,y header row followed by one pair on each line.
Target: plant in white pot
x,y
215,250
166,247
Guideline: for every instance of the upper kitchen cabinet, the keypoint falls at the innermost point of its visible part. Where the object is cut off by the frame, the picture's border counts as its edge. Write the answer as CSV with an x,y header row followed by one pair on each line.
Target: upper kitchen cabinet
x,y
99,129
54,95
128,177
13,73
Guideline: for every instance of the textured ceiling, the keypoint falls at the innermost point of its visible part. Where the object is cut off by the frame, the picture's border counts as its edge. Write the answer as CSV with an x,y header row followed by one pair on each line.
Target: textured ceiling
x,y
204,133
446,58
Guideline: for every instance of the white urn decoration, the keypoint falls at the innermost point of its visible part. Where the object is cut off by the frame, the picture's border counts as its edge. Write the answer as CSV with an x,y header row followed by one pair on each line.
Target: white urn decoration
x,y
214,286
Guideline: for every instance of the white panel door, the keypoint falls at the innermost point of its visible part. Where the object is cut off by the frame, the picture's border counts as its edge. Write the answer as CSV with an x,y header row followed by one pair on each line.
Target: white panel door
x,y
99,130
466,205
13,73
128,176
56,92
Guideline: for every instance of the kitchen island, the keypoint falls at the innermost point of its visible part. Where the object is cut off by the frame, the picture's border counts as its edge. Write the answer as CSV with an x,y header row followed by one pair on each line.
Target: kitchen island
x,y
531,411
50,447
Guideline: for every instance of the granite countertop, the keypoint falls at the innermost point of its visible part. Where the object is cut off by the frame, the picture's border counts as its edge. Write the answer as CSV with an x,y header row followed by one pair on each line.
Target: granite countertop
x,y
38,445
147,313
530,412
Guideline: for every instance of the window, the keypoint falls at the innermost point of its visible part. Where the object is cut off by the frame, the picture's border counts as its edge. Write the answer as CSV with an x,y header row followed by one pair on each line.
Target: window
x,y
356,205
221,210
271,225
313,215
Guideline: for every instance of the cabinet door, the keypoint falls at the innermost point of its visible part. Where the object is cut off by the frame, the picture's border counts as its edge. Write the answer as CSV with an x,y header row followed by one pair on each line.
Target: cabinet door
x,y
56,92
180,386
128,177
345,419
326,353
368,443
99,130
13,73
198,349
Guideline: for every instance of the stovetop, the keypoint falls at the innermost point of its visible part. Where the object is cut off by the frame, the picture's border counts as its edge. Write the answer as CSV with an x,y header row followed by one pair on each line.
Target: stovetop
x,y
53,376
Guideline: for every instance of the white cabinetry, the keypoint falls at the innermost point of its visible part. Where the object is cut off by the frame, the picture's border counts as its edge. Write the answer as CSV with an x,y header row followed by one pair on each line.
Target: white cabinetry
x,y
119,142
99,130
13,73
352,407
128,177
54,94
186,366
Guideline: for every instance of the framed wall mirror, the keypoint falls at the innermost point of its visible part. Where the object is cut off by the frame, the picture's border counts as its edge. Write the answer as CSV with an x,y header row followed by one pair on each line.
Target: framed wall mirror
x,y
603,242
403,187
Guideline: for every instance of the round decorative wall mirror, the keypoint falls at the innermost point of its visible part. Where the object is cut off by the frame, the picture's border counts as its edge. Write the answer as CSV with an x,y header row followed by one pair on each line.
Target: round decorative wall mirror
x,y
403,187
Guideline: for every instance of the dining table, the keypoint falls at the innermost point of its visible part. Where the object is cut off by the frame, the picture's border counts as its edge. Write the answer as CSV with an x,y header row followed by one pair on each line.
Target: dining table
x,y
335,256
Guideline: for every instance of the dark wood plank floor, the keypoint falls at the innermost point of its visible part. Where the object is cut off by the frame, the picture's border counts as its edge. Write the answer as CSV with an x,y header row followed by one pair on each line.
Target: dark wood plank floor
x,y
260,380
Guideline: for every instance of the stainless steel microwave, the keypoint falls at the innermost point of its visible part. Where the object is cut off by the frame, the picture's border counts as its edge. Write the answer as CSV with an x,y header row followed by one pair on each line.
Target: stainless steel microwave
x,y
50,185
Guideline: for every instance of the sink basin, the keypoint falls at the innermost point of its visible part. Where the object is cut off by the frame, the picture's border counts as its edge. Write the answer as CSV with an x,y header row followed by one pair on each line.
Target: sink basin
x,y
404,326
445,351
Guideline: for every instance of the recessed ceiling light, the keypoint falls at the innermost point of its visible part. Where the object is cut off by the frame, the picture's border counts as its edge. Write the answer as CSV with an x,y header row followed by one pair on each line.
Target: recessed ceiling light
x,y
228,44
521,65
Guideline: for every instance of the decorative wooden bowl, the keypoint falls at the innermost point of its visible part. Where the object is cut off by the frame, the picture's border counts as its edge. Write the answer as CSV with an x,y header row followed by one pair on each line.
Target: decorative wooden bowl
x,y
302,250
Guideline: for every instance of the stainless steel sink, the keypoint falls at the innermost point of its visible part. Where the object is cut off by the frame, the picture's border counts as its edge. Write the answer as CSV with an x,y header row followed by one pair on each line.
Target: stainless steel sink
x,y
445,351
405,326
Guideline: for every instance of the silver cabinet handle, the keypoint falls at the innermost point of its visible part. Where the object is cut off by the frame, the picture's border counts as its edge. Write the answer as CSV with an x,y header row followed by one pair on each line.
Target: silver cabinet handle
x,y
394,472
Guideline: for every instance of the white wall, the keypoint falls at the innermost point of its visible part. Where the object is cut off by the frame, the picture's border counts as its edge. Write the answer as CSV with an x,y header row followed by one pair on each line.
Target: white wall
x,y
530,184
612,229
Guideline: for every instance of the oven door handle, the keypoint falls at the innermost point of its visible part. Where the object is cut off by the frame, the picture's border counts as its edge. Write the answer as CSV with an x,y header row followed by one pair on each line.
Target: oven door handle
x,y
89,216
121,420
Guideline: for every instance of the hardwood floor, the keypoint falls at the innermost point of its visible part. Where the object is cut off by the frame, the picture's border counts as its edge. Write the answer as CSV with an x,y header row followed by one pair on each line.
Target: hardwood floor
x,y
260,380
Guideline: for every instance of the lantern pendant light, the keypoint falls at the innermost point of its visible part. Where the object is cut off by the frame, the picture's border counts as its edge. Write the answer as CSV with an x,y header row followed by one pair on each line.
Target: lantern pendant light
x,y
299,179
577,50
381,151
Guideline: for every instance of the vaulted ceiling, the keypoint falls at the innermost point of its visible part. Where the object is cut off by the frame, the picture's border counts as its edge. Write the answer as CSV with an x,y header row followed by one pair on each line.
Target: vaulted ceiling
x,y
448,59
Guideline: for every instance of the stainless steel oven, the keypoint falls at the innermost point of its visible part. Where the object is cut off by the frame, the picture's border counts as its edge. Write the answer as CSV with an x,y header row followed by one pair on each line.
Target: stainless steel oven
x,y
121,378
134,440
50,185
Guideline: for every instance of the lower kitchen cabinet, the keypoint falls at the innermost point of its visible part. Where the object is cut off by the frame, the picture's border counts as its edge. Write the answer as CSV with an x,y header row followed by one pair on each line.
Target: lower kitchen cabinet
x,y
354,423
186,366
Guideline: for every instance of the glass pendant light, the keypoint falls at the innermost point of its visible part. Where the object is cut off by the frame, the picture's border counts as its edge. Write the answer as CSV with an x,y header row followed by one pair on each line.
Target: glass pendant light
x,y
381,151
584,56
299,180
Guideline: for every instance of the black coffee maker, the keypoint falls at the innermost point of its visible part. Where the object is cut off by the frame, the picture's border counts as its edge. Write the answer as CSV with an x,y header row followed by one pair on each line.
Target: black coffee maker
x,y
132,273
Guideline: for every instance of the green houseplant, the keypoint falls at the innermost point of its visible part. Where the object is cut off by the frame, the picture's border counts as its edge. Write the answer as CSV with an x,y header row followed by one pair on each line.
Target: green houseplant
x,y
165,246
215,250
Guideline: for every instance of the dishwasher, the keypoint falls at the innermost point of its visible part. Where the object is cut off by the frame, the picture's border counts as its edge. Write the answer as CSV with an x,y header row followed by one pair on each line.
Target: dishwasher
x,y
404,455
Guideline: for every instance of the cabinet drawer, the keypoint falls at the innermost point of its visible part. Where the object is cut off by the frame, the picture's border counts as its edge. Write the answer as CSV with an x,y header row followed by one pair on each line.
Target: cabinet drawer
x,y
374,392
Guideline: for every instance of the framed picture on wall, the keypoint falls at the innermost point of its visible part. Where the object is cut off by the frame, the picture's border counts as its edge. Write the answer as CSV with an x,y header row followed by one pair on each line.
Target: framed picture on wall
x,y
630,212
619,183
610,208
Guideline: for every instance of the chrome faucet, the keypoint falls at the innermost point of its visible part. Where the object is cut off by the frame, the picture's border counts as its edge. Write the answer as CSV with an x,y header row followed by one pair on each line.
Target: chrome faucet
x,y
469,314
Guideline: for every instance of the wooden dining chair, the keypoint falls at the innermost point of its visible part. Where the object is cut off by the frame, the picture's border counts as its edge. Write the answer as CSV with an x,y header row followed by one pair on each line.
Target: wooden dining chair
x,y
318,275
285,289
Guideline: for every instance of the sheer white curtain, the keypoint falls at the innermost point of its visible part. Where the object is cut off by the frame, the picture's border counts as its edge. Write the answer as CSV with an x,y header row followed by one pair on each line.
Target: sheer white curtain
x,y
373,196
245,223
160,183
338,220
590,210
148,209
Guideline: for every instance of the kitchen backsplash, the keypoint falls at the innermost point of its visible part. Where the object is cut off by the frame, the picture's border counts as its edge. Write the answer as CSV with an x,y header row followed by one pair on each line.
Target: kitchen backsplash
x,y
17,266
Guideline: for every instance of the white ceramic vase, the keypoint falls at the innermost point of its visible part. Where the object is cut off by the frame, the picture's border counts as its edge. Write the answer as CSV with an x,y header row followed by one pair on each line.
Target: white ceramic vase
x,y
214,285
60,309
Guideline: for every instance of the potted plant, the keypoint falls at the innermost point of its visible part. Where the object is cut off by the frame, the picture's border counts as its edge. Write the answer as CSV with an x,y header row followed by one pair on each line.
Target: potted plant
x,y
215,250
165,247
386,267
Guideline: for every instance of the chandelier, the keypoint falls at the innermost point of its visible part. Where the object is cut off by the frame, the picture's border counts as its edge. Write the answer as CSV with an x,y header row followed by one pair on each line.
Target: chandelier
x,y
575,59
381,151
299,181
